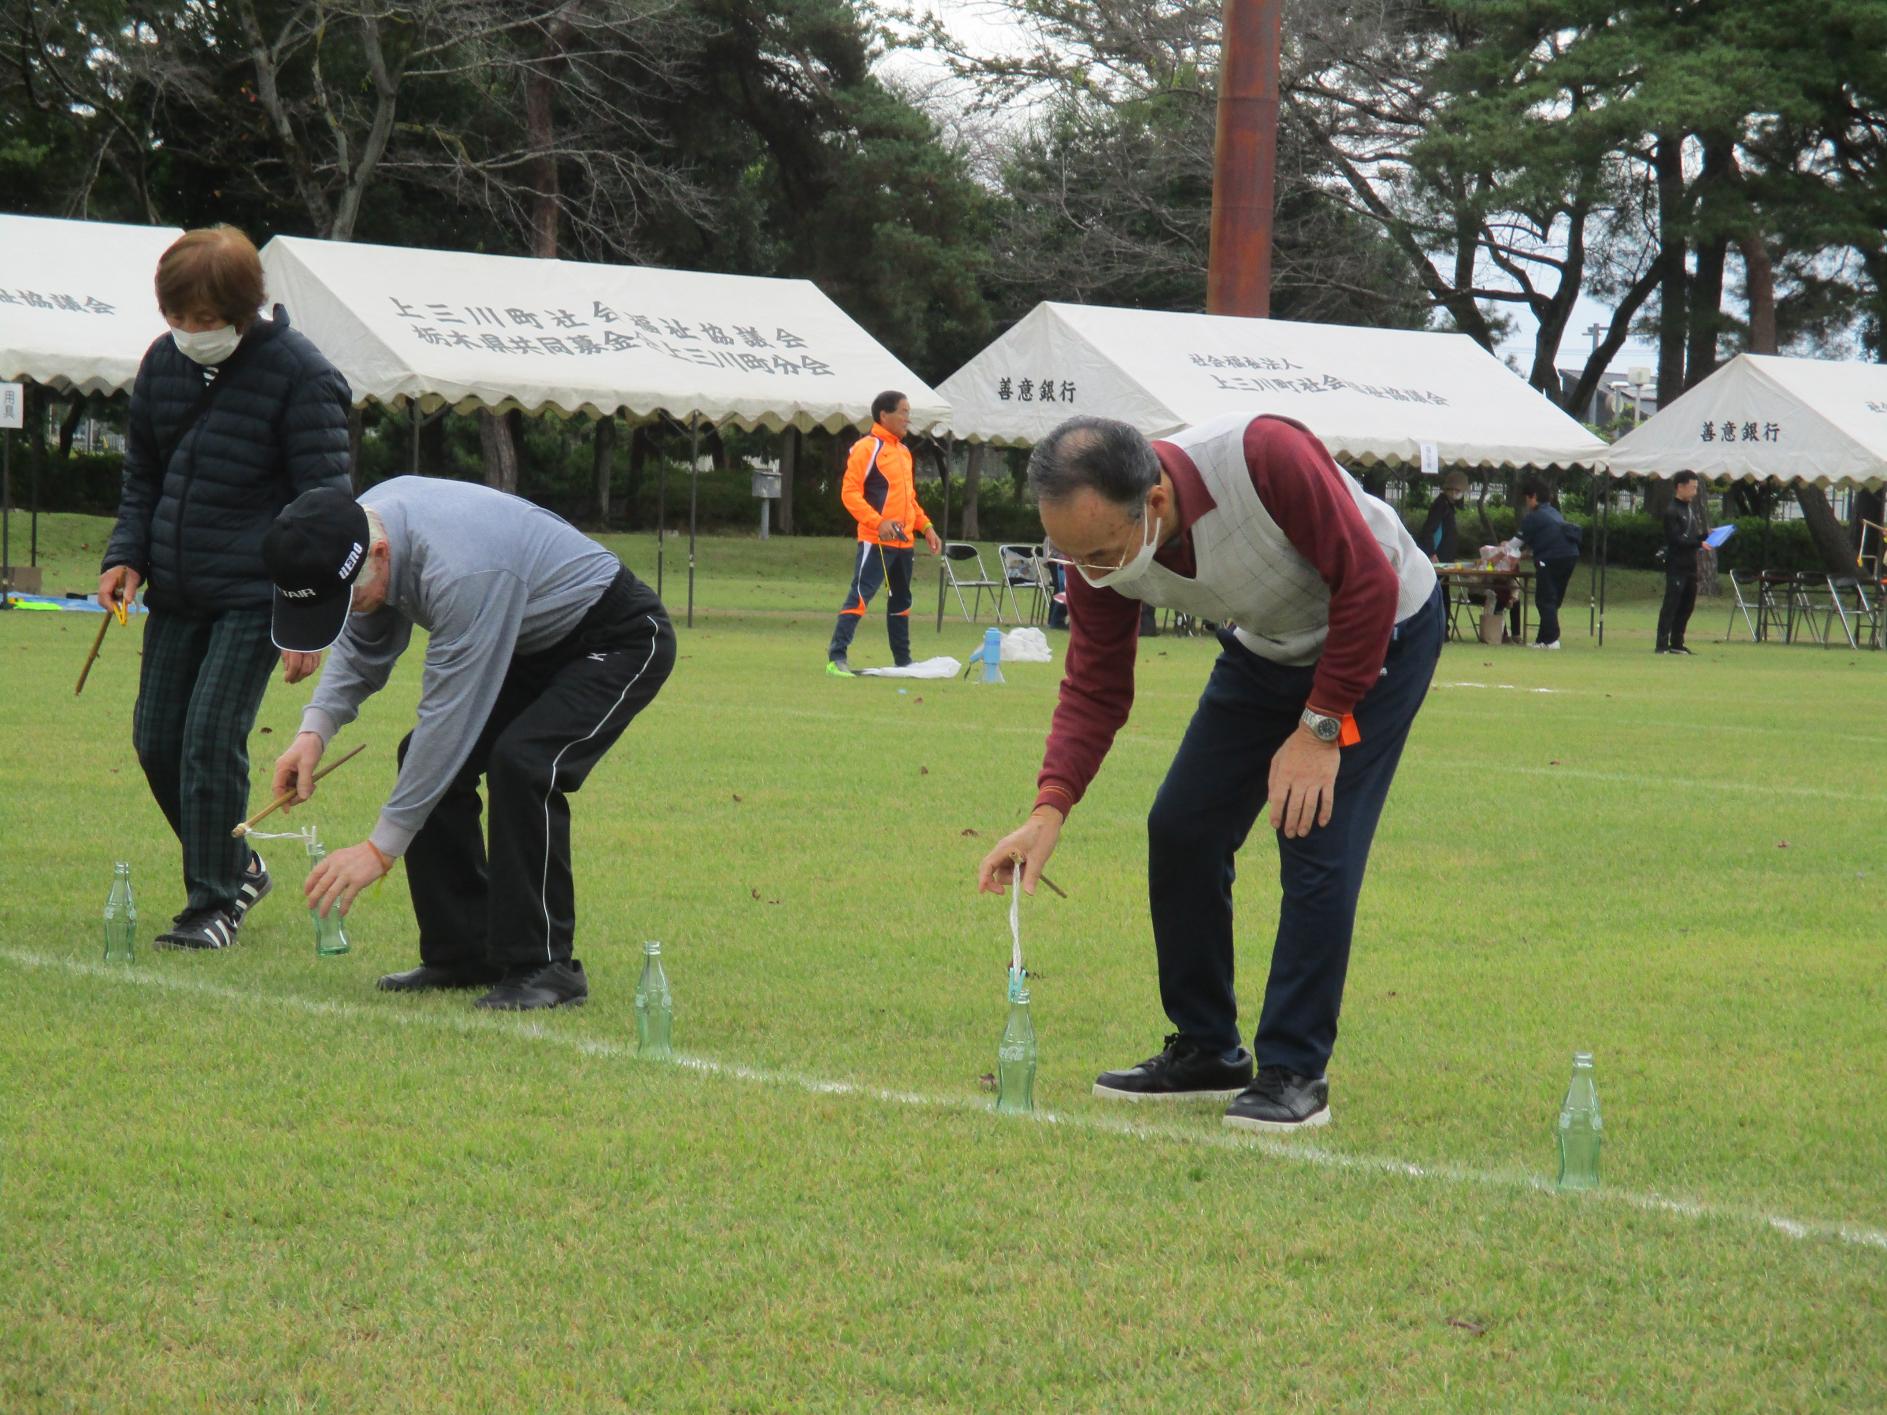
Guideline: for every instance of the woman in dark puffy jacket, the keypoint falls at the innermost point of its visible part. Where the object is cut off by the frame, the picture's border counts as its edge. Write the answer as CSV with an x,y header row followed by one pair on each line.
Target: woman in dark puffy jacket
x,y
232,418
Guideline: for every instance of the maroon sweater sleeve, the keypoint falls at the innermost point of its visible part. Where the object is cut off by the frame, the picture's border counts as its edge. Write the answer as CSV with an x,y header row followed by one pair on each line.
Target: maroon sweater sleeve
x,y
1097,691
1305,492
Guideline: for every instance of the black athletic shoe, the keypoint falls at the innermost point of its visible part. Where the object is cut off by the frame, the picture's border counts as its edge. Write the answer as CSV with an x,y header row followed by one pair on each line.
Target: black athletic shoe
x,y
547,985
1281,1100
430,977
1180,1073
199,928
255,885
1679,648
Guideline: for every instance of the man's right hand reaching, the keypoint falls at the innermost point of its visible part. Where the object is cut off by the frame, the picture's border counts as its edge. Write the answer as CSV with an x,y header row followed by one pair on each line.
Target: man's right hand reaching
x,y
1034,841
295,768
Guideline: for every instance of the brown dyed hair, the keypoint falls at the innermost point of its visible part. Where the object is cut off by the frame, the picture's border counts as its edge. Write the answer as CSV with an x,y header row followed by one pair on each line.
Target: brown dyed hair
x,y
216,268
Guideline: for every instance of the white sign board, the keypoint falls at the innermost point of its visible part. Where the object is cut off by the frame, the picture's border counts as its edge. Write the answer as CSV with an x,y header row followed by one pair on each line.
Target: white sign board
x,y
12,405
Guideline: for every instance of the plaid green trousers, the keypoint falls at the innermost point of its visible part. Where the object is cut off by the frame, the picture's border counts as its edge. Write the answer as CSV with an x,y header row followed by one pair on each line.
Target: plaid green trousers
x,y
200,685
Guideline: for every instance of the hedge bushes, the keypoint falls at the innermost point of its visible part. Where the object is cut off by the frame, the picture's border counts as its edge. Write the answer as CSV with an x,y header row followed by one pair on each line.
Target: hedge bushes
x,y
561,479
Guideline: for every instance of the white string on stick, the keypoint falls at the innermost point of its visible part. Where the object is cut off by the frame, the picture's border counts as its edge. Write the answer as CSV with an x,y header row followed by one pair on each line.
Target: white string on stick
x,y
306,835
1015,926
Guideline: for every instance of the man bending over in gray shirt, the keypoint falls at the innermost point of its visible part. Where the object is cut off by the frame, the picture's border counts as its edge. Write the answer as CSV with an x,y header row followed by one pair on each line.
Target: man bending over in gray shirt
x,y
543,647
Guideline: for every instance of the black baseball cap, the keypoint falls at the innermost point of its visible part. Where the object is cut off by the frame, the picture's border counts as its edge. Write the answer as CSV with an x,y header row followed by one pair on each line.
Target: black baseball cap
x,y
314,552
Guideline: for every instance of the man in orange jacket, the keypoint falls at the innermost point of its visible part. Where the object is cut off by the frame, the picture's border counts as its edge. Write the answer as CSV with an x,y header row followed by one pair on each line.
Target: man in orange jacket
x,y
881,493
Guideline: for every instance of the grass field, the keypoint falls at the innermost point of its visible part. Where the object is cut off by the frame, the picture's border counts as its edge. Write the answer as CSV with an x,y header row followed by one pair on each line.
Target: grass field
x,y
249,1181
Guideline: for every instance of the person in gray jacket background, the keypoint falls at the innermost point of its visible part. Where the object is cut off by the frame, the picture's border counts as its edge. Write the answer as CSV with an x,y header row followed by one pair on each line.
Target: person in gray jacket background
x,y
542,648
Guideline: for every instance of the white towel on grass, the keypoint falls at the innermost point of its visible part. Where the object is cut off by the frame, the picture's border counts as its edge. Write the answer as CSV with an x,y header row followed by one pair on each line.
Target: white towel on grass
x,y
945,667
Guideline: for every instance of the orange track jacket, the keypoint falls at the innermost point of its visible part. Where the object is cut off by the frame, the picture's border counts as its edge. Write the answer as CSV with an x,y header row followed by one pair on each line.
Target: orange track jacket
x,y
879,487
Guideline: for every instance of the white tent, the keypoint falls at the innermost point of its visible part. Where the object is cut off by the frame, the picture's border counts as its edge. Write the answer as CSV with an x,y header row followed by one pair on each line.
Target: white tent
x,y
1371,395
77,306
466,330
1768,418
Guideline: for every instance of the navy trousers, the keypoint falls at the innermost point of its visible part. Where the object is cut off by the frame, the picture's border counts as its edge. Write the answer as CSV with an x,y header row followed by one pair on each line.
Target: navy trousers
x,y
1207,805
872,566
1549,592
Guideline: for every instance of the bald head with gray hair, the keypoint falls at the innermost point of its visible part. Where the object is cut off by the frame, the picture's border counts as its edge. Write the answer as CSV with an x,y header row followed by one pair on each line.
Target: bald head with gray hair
x,y
1102,455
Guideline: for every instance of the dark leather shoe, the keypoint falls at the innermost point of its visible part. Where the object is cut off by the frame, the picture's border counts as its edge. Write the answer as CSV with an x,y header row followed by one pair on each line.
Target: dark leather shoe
x,y
1281,1100
547,985
430,977
1181,1072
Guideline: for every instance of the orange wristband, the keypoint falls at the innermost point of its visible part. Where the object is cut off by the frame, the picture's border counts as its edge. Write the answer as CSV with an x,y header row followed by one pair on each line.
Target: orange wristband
x,y
386,861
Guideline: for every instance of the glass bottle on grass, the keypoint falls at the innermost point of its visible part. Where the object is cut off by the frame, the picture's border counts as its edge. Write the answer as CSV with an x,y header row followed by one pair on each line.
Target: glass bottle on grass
x,y
121,915
655,1007
1579,1128
330,934
1015,1059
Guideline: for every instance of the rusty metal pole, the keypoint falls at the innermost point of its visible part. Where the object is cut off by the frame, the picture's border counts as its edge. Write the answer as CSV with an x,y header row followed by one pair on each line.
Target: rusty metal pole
x,y
1244,179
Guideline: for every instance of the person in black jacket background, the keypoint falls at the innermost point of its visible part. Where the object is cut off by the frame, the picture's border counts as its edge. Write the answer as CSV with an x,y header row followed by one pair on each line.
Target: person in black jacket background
x,y
1439,539
1554,542
232,418
1683,534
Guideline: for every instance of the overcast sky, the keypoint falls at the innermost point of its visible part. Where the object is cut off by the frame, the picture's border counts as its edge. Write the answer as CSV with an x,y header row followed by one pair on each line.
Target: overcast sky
x,y
991,28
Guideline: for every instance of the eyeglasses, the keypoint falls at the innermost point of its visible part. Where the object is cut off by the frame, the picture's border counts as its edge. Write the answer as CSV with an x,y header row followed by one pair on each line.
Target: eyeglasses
x,y
1125,556
1085,568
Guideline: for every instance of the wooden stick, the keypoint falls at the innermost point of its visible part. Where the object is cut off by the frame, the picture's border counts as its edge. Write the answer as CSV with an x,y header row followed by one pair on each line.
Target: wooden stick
x,y
92,657
1016,858
288,797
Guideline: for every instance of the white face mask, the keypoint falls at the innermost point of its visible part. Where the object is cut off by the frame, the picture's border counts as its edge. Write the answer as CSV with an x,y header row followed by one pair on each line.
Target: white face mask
x,y
1134,569
209,346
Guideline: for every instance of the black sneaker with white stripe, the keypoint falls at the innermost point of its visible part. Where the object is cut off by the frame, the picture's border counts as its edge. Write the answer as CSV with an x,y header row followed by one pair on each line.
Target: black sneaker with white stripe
x,y
1179,1073
199,928
1280,1100
255,884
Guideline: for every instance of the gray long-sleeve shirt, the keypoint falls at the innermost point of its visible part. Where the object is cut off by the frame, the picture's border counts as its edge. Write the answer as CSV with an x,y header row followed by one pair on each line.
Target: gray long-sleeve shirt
x,y
488,576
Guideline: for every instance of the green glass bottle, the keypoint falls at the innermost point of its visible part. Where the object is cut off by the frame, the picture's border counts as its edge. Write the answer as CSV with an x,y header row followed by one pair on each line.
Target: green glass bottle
x,y
330,934
655,1008
121,915
1015,1060
1579,1128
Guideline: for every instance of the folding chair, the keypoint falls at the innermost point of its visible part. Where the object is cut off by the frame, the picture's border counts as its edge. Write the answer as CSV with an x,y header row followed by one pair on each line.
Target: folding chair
x,y
1860,616
961,553
1023,568
1459,598
1749,606
1804,612
1770,605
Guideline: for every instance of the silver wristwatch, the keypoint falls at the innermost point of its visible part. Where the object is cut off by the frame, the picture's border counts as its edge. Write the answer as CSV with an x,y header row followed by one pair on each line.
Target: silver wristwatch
x,y
1325,729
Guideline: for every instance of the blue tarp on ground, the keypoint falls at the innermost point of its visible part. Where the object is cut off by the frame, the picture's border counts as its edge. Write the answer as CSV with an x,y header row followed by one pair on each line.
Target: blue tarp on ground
x,y
44,602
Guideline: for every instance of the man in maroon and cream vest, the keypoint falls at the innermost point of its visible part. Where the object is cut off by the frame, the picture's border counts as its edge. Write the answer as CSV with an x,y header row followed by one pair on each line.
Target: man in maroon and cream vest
x,y
1333,627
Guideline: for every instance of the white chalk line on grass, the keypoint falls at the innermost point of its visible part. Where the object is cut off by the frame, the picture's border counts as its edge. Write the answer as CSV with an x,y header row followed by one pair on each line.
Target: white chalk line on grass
x,y
1294,1150
1510,687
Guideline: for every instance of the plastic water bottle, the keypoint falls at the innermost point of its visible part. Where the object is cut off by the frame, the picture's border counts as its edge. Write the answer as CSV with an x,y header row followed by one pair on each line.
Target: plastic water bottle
x,y
1579,1128
1015,1060
992,656
121,915
330,935
655,1008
